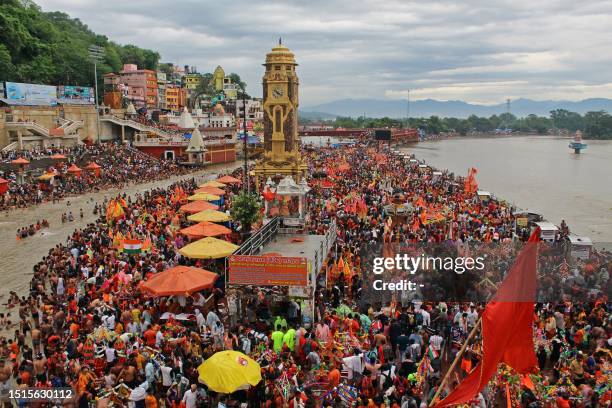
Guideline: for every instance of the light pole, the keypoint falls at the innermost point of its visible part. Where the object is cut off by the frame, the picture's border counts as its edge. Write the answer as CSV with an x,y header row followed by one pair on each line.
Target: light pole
x,y
96,53
407,108
246,187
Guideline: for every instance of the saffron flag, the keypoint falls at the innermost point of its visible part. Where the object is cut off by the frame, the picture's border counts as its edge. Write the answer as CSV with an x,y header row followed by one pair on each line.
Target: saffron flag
x,y
507,327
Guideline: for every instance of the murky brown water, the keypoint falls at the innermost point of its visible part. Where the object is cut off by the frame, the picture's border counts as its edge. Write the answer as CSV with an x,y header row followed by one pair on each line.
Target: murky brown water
x,y
538,173
17,258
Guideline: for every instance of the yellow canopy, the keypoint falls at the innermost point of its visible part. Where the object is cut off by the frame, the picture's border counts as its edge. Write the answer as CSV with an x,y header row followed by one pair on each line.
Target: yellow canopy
x,y
208,248
209,215
229,371
212,183
46,176
203,197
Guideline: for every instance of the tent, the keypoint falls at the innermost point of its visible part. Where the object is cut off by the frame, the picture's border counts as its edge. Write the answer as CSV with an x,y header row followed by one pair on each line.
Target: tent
x,y
208,248
210,190
58,156
74,169
229,371
203,196
212,183
205,229
93,167
209,215
179,281
228,180
198,206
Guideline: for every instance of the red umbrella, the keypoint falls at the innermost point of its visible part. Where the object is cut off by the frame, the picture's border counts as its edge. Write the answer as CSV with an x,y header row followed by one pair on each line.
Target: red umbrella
x,y
179,281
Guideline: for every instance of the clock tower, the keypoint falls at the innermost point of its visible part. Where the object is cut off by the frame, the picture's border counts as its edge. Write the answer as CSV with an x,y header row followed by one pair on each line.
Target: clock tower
x,y
280,104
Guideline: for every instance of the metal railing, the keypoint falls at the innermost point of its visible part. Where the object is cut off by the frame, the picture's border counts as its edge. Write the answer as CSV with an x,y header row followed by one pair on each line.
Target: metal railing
x,y
259,239
135,125
9,147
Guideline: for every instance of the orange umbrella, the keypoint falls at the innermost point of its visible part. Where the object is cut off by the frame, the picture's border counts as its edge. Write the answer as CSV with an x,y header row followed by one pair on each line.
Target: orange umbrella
x,y
198,206
205,229
228,180
210,190
179,281
20,160
58,156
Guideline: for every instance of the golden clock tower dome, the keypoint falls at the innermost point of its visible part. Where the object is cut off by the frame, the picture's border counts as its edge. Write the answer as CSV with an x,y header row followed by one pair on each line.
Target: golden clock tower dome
x,y
280,104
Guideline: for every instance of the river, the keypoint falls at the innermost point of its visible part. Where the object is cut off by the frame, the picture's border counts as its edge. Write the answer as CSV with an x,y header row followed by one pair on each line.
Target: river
x,y
538,173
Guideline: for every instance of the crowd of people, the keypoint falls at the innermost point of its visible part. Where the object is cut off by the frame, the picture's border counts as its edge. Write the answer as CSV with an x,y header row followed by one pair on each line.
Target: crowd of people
x,y
86,324
25,232
119,165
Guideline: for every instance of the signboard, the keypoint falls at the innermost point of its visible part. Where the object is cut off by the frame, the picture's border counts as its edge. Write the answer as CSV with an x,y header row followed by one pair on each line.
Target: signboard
x,y
76,92
267,270
30,92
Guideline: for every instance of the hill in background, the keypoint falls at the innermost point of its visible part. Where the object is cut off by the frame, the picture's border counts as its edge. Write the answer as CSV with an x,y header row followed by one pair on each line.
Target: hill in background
x,y
52,48
374,108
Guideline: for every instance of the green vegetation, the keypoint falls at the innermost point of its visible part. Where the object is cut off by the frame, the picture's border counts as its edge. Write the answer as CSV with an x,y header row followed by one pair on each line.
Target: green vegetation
x,y
594,125
52,48
245,209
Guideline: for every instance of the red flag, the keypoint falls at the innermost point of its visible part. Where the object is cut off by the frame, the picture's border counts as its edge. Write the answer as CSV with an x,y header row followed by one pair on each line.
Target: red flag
x,y
507,327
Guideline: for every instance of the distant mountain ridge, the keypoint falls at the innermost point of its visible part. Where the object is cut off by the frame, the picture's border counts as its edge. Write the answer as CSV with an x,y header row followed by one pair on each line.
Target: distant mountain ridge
x,y
395,108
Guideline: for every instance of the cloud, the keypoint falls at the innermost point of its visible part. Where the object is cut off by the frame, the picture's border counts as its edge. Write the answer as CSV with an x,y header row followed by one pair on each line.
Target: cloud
x,y
474,50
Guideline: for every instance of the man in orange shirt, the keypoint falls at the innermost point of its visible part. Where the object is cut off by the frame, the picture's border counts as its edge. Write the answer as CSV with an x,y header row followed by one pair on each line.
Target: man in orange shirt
x,y
333,376
149,336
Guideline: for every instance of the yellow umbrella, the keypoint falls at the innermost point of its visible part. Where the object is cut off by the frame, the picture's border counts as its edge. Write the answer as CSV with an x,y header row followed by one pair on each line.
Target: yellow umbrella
x,y
46,176
210,216
203,197
212,183
208,248
229,371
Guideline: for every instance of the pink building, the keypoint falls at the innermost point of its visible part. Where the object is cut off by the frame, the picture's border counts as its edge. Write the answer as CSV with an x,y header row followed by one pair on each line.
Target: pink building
x,y
142,85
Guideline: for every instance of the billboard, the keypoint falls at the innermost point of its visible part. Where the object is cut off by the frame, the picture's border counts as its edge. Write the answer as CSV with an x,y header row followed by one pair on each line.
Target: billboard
x,y
382,134
268,270
84,93
30,92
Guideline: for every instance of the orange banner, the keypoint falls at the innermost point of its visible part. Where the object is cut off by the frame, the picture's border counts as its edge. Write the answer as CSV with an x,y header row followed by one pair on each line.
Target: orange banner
x,y
267,270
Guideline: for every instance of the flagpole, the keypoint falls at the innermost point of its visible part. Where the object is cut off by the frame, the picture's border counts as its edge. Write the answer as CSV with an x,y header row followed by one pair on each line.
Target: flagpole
x,y
457,358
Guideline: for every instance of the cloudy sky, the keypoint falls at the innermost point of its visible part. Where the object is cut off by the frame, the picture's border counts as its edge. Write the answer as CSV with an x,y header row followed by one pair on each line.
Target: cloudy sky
x,y
480,51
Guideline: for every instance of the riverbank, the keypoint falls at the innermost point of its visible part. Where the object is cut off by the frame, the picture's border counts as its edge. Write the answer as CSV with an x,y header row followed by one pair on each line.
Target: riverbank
x,y
19,257
538,173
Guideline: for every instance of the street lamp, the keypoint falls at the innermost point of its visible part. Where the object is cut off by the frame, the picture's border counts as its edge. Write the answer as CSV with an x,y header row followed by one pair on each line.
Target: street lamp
x,y
407,108
97,54
246,186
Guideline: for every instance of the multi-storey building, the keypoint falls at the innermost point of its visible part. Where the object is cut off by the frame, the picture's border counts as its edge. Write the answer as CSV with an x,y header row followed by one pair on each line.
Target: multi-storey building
x,y
141,85
162,83
173,98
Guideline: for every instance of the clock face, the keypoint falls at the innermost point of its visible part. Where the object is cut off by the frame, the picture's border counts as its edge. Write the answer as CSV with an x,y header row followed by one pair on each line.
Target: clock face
x,y
277,92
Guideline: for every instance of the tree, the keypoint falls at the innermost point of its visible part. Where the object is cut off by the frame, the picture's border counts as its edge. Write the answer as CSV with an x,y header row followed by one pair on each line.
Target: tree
x,y
240,84
598,125
246,209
